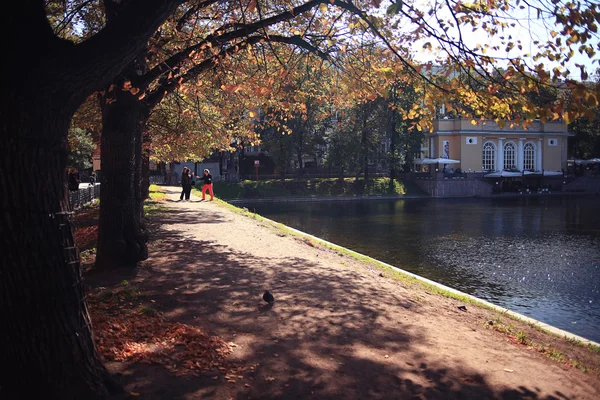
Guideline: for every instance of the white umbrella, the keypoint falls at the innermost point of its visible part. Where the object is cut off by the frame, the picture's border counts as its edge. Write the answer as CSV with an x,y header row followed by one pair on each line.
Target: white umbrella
x,y
439,160
586,162
553,173
546,173
503,174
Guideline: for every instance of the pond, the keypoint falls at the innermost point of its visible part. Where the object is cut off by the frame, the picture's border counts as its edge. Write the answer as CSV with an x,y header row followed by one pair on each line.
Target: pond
x,y
538,256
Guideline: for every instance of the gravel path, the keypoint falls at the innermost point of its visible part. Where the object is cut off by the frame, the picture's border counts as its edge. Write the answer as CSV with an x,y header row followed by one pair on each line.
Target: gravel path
x,y
337,330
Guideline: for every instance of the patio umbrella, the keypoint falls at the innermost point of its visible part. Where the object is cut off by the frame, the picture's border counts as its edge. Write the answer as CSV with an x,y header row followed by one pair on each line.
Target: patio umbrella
x,y
546,173
503,174
552,173
587,162
439,160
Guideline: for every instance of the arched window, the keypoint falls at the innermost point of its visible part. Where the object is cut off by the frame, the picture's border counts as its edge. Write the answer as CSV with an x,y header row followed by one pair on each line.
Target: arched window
x,y
489,156
529,157
509,156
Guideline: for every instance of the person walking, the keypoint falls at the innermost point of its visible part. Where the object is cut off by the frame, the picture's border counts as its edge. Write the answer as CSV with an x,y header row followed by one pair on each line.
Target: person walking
x,y
207,185
74,179
186,184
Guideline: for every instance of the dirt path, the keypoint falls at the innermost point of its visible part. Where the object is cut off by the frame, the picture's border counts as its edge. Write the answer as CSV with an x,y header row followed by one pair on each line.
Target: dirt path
x,y
337,330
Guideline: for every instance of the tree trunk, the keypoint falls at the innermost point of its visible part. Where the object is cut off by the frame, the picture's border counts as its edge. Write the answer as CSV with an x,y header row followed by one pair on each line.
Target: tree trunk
x,y
121,239
231,164
145,168
393,135
299,151
46,349
241,156
365,146
221,155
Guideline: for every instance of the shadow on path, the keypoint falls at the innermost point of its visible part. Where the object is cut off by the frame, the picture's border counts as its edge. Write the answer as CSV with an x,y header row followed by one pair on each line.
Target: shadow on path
x,y
329,335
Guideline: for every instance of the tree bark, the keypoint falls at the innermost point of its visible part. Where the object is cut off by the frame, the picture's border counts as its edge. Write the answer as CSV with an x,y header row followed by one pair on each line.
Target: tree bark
x,y
46,349
121,237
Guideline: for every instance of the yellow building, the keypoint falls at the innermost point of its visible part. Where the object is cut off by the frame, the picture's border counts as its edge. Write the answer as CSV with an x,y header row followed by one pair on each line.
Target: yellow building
x,y
485,147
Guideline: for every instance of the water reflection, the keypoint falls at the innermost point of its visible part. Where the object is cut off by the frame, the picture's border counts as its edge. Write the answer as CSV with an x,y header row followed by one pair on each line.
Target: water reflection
x,y
536,256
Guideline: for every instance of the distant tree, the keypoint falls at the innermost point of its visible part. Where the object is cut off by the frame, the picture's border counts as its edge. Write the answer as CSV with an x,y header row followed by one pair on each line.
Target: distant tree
x,y
585,142
81,148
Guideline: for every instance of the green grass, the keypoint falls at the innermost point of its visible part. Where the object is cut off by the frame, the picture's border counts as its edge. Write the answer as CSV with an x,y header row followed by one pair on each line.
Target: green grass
x,y
157,193
556,355
579,365
319,187
144,309
92,204
593,347
522,337
153,206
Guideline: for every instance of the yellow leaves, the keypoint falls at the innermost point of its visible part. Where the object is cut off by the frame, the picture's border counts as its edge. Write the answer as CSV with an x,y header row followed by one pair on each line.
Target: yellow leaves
x,y
251,114
231,88
323,7
570,116
591,100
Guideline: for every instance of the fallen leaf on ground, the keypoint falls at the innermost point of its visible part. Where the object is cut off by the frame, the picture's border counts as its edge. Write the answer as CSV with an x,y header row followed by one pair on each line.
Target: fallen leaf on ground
x,y
121,334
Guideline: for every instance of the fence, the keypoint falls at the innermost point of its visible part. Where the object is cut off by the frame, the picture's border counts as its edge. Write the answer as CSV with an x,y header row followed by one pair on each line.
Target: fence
x,y
84,195
158,179
312,173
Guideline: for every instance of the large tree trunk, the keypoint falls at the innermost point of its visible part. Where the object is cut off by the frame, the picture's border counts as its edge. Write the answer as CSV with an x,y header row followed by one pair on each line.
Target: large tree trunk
x,y
121,238
46,349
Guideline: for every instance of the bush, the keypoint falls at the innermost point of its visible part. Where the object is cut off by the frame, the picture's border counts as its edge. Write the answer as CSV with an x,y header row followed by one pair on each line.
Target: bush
x,y
320,187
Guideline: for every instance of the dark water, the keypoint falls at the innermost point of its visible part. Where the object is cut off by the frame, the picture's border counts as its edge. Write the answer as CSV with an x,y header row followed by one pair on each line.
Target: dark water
x,y
537,256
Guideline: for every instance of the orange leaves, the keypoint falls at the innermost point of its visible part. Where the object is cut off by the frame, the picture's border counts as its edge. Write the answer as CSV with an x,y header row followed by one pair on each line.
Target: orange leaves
x,y
231,88
122,334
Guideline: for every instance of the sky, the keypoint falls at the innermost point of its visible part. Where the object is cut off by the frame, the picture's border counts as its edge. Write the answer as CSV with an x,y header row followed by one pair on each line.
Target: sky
x,y
528,29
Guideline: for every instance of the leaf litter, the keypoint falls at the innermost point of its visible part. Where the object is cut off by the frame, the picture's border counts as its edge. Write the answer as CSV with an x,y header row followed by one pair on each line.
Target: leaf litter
x,y
122,333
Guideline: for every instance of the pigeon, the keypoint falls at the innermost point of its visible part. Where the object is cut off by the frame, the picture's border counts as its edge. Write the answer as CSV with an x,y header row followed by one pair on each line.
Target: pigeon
x,y
268,297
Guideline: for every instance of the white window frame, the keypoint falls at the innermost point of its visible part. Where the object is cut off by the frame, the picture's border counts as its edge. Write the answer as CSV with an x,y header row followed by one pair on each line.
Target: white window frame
x,y
510,155
529,156
489,149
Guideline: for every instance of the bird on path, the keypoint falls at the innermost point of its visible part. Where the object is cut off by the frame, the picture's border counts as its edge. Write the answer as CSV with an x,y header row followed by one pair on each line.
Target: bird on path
x,y
268,297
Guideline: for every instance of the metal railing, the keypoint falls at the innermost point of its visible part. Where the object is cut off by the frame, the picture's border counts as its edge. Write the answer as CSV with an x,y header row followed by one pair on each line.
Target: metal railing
x,y
157,179
84,195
